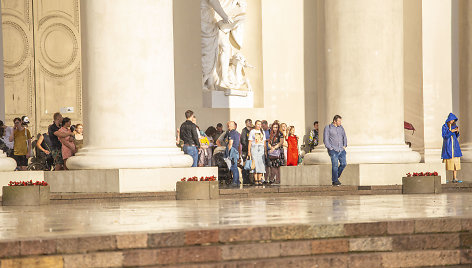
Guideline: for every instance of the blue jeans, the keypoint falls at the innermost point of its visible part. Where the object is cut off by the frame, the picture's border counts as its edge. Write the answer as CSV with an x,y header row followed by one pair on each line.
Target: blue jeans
x,y
193,152
338,163
233,155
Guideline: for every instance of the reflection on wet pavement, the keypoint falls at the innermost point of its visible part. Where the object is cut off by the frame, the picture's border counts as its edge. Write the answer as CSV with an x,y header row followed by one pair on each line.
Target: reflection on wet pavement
x,y
155,216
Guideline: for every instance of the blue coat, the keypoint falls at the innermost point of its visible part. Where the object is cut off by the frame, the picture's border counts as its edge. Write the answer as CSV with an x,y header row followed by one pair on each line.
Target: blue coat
x,y
448,138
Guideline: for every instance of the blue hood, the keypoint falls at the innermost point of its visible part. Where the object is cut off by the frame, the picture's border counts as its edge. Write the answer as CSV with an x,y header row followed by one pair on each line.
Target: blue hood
x,y
451,117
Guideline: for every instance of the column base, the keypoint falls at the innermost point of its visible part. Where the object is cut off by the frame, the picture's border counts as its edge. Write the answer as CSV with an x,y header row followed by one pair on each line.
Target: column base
x,y
7,163
432,156
382,154
89,158
466,153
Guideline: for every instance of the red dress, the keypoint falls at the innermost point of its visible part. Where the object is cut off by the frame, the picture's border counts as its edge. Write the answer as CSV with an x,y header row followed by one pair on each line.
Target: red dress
x,y
292,151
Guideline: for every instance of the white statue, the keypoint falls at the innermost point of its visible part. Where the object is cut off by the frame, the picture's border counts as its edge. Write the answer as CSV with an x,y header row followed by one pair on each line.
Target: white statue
x,y
237,78
210,32
222,39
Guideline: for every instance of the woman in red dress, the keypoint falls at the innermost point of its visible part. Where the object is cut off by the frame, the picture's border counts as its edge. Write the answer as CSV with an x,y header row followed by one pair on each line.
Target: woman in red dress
x,y
292,150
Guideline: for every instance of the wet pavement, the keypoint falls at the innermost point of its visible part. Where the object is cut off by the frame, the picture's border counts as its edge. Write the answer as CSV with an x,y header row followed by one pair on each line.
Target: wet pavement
x,y
65,220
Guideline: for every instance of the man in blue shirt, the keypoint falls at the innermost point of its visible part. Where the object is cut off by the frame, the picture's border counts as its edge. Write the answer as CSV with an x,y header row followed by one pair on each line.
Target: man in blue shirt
x,y
335,140
232,151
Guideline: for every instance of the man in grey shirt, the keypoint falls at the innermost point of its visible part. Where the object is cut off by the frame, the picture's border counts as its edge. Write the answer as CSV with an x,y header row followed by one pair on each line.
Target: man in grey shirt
x,y
335,140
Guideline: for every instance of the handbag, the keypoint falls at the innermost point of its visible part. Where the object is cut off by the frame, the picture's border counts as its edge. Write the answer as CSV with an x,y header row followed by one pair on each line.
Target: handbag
x,y
248,165
275,154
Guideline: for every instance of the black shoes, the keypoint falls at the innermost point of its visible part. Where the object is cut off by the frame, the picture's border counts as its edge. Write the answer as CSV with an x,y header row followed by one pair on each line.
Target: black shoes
x,y
336,183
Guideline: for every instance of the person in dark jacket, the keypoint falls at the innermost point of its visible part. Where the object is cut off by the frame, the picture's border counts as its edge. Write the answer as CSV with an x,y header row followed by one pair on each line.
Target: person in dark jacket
x,y
245,148
188,133
451,151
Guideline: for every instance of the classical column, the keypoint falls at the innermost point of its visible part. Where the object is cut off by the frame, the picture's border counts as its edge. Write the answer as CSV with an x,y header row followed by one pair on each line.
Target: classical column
x,y
364,80
128,85
465,78
437,74
6,163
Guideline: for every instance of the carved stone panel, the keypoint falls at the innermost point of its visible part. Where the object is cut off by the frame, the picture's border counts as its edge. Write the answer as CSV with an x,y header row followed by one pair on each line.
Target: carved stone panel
x,y
57,61
18,52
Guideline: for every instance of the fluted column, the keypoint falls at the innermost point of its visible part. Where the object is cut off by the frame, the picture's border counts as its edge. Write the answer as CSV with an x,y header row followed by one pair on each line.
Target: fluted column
x,y
465,79
364,80
128,84
437,74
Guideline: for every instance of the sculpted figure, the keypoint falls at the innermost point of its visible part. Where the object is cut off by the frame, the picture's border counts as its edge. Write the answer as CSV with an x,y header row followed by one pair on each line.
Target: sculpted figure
x,y
209,43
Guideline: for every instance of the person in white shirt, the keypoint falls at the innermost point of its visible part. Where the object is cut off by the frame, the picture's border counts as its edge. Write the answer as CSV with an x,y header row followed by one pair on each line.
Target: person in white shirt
x,y
7,132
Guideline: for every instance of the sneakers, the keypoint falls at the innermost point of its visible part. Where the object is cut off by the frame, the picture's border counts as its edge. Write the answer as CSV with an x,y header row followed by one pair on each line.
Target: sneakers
x,y
336,183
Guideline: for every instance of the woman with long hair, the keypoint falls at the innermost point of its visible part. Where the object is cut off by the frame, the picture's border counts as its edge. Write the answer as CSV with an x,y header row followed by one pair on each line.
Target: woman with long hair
x,y
292,151
275,152
256,151
68,145
284,130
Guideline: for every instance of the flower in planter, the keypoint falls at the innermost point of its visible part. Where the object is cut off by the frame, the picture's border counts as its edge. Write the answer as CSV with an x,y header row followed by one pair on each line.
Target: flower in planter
x,y
421,174
27,183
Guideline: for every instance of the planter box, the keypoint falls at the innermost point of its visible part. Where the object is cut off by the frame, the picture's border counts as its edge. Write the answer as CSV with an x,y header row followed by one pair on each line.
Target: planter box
x,y
25,195
421,185
202,190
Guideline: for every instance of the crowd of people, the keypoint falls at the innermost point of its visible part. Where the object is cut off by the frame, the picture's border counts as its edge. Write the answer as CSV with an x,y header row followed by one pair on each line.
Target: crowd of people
x,y
51,149
259,150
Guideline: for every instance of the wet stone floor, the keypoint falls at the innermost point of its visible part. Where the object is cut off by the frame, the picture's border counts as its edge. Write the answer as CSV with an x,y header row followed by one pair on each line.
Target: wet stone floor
x,y
65,220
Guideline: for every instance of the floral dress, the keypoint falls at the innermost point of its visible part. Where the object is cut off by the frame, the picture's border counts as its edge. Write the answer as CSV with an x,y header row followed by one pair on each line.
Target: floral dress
x,y
273,142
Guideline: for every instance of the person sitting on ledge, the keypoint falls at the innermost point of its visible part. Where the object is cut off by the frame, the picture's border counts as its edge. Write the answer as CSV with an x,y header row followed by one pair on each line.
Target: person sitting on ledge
x,y
451,151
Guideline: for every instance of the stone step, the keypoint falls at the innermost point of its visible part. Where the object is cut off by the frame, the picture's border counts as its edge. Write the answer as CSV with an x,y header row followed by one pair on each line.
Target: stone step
x,y
407,243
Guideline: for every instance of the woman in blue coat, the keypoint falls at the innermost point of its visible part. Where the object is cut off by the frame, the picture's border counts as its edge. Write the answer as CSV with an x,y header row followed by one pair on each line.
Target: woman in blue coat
x,y
451,151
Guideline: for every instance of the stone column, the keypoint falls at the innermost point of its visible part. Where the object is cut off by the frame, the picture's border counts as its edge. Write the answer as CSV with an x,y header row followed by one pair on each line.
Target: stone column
x,y
6,163
437,74
364,80
128,85
465,79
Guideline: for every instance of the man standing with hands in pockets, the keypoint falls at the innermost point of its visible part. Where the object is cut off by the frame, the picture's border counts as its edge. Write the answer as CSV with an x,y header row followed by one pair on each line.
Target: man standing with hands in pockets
x,y
335,140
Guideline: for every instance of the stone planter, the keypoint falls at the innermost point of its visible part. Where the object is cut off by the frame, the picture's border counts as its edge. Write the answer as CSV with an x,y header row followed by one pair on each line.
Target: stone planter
x,y
25,195
421,185
202,190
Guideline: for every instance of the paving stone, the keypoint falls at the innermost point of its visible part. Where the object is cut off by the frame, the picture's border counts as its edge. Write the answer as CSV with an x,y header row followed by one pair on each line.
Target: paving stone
x,y
438,225
329,246
466,224
245,234
370,244
96,243
401,227
292,232
9,249
140,257
37,247
295,248
161,240
368,260
250,251
466,240
188,254
98,259
126,241
421,258
328,230
67,245
466,256
38,262
202,237
429,241
365,229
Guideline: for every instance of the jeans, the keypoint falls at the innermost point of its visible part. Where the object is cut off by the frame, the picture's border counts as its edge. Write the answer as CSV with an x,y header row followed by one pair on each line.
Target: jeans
x,y
193,152
245,173
233,155
338,162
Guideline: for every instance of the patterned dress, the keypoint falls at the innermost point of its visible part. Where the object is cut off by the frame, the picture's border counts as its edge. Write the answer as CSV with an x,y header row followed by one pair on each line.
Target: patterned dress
x,y
276,139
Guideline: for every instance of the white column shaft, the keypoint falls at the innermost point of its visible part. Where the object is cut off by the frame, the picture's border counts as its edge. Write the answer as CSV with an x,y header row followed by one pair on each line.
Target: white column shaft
x,y
364,79
437,74
128,83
